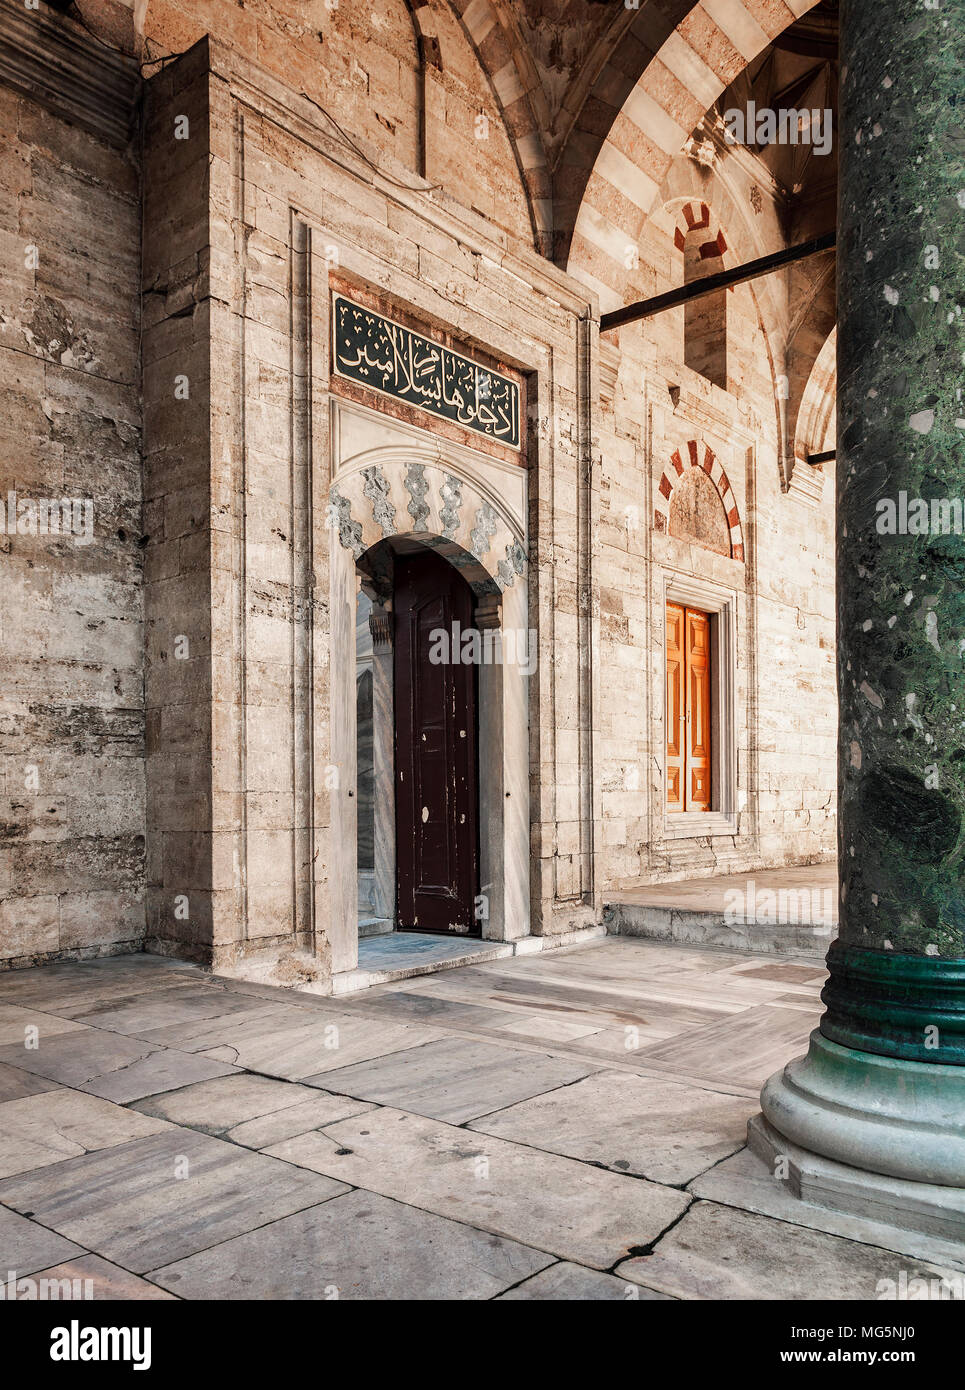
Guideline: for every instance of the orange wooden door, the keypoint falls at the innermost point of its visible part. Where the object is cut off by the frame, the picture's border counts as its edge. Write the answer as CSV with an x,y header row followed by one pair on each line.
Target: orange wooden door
x,y
688,710
676,686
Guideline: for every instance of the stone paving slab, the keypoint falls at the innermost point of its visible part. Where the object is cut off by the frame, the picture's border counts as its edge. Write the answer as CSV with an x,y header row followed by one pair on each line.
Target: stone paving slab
x,y
180,1004
746,1181
556,1204
67,987
549,1029
362,1245
719,1252
15,1019
256,1111
161,1071
88,1276
15,1082
565,1282
130,1205
269,1130
746,1048
76,1058
44,1129
408,1006
662,1130
26,1247
454,1079
260,1018
309,1052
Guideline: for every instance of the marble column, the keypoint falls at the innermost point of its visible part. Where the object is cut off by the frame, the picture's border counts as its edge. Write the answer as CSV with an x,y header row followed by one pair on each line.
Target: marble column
x,y
882,1088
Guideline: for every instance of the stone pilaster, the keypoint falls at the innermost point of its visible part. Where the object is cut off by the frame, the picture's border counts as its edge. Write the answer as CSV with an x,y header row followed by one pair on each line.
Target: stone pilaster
x,y
883,1086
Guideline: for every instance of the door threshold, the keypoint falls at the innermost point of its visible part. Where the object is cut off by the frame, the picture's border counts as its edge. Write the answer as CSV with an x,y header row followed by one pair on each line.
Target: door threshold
x,y
402,955
399,955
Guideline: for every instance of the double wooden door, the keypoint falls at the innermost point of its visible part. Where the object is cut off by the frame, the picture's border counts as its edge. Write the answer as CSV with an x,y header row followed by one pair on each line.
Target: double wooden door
x,y
689,709
435,750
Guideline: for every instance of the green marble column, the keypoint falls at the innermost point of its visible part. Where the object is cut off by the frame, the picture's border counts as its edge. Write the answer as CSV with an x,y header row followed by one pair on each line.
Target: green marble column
x,y
898,970
883,1085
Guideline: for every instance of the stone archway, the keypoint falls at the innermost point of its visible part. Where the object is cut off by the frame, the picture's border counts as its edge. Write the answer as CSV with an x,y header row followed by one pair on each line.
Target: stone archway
x,y
711,465
425,493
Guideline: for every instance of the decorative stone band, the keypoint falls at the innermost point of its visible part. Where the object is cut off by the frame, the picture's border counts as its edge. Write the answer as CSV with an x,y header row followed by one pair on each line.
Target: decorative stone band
x,y
451,514
711,465
896,1005
696,217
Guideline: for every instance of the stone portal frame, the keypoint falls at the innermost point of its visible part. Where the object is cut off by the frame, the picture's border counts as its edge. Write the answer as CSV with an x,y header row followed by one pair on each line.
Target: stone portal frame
x,y
429,492
705,458
721,604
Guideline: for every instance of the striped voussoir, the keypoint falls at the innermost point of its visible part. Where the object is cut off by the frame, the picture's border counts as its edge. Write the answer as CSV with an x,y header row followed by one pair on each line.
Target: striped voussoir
x,y
680,83
699,456
697,217
492,27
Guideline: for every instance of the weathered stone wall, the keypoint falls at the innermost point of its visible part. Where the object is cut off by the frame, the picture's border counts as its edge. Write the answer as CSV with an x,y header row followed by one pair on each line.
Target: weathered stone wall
x,y
360,63
252,198
781,576
72,723
252,214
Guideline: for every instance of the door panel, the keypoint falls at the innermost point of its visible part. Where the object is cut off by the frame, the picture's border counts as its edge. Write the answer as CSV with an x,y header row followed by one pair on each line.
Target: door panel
x,y
698,711
436,831
675,707
688,710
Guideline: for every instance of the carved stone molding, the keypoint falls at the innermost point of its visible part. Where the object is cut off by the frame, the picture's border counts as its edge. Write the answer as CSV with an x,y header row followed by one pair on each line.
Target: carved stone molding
x,y
50,59
380,626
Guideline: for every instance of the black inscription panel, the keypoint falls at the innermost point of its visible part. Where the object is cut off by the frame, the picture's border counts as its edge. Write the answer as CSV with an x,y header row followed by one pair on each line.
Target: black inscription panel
x,y
375,351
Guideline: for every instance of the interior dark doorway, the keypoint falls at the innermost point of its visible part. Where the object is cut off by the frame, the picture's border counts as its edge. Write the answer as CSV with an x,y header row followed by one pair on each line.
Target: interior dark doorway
x,y
436,798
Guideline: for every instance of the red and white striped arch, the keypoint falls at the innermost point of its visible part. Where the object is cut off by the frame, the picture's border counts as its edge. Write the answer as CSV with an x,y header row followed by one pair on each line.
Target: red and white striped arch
x,y
697,456
704,53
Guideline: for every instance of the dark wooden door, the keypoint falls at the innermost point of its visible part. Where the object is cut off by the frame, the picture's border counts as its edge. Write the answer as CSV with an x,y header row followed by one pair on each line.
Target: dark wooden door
x,y
435,751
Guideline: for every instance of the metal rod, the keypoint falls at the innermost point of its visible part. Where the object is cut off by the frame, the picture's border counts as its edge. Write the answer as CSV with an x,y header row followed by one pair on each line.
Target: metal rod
x,y
826,457
721,281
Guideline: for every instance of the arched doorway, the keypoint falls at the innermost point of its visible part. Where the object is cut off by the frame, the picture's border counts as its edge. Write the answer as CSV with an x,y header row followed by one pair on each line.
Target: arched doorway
x,y
417,743
429,539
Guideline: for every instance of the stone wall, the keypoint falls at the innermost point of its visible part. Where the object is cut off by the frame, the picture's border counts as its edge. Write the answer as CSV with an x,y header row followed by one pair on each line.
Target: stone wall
x,y
302,143
72,722
781,574
255,212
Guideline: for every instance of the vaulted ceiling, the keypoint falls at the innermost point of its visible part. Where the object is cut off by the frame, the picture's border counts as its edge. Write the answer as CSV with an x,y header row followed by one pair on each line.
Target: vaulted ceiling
x,y
562,71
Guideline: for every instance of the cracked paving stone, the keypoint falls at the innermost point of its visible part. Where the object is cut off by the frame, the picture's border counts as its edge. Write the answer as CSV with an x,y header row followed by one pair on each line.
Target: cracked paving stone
x,y
44,1129
718,1252
577,1212
572,1283
363,1245
256,1111
663,1130
152,1201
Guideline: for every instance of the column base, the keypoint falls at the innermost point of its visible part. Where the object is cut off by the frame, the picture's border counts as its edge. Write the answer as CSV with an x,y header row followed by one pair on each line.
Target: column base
x,y
881,1209
899,1118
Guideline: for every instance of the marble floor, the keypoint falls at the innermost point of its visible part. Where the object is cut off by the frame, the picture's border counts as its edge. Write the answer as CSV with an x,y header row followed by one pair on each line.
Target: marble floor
x,y
814,886
559,1126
